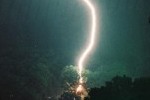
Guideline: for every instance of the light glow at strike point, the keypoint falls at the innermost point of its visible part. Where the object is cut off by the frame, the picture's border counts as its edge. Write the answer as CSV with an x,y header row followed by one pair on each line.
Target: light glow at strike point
x,y
88,49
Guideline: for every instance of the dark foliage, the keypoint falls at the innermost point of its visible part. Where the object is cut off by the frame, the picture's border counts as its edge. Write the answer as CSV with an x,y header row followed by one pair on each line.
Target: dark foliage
x,y
69,96
122,88
119,88
26,76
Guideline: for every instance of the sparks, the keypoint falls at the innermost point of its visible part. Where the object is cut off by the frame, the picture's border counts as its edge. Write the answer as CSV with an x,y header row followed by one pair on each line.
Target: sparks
x,y
81,90
92,10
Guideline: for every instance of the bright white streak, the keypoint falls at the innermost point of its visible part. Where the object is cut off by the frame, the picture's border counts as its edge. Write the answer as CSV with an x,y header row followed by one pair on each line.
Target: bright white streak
x,y
92,37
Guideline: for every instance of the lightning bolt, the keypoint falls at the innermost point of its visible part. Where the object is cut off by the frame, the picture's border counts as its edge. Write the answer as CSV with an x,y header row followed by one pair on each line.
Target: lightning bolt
x,y
89,48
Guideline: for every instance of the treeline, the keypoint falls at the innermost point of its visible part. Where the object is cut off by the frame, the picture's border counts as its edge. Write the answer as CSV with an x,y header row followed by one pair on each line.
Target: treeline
x,y
122,88
119,88
28,75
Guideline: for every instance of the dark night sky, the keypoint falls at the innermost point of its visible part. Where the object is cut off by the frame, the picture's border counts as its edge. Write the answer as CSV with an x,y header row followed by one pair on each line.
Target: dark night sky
x,y
57,30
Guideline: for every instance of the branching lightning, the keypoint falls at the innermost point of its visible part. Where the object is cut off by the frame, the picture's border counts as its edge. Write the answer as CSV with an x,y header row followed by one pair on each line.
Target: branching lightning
x,y
81,61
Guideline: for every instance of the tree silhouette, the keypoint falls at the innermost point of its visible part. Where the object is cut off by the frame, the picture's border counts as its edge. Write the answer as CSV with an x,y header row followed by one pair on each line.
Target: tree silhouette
x,y
122,88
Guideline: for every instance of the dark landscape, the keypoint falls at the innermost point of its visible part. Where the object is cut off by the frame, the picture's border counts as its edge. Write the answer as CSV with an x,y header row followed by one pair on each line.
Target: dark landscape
x,y
41,41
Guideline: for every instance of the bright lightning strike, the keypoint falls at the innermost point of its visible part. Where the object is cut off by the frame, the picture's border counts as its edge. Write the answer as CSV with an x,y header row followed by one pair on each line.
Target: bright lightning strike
x,y
81,89
92,10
